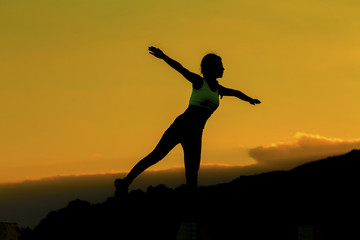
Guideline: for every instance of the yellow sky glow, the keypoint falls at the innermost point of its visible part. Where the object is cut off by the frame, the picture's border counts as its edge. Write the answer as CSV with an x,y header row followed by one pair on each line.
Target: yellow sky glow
x,y
80,94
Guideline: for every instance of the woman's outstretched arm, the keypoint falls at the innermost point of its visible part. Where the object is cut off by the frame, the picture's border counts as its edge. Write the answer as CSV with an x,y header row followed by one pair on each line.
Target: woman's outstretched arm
x,y
223,91
195,79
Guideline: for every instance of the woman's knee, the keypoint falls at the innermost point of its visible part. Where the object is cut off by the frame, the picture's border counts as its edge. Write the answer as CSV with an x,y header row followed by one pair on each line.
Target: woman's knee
x,y
191,173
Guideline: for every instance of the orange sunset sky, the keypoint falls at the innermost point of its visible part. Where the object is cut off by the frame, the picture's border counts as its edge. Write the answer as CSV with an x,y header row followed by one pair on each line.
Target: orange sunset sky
x,y
80,94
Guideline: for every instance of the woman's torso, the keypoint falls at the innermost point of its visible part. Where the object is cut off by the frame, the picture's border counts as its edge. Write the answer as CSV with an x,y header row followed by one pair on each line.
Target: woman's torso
x,y
203,102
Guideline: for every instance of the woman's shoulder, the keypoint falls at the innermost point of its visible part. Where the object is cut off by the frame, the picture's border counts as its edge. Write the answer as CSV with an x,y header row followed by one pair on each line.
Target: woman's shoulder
x,y
198,83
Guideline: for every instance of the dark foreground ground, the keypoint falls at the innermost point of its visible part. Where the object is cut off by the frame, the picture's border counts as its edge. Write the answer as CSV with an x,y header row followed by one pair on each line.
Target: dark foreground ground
x,y
274,205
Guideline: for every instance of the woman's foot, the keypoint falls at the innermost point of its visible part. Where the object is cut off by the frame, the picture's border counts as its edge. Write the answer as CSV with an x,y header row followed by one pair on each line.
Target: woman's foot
x,y
121,188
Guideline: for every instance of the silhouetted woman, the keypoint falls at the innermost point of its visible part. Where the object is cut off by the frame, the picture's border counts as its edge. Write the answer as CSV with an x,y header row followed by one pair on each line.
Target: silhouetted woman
x,y
188,127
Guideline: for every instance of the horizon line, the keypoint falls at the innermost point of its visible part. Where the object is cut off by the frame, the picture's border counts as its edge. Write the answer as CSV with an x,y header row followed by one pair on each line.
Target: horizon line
x,y
111,172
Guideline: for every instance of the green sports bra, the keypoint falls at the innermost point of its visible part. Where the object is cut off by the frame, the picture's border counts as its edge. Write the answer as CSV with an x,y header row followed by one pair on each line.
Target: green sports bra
x,y
205,97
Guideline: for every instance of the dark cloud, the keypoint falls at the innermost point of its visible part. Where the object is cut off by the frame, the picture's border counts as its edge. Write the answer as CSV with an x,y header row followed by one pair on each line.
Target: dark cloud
x,y
300,149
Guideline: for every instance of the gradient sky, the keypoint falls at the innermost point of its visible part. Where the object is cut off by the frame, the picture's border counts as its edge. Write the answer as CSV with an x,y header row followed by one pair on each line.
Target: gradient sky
x,y
81,95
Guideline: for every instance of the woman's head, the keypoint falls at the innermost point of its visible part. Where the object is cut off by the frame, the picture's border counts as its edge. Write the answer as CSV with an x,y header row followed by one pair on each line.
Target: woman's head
x,y
211,66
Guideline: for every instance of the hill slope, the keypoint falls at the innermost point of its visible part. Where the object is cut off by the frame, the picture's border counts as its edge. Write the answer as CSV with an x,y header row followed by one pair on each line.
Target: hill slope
x,y
265,206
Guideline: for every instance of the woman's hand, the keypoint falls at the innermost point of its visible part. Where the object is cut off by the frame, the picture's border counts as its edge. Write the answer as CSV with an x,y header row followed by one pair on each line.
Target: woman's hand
x,y
254,101
156,52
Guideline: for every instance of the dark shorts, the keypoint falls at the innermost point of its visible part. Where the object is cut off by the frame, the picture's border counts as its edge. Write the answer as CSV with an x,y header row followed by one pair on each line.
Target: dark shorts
x,y
187,130
190,124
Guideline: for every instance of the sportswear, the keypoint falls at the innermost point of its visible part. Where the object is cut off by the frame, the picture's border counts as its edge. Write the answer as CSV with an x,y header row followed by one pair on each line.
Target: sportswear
x,y
205,97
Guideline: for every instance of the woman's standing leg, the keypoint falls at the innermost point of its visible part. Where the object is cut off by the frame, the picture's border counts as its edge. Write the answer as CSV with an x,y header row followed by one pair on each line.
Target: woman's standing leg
x,y
192,154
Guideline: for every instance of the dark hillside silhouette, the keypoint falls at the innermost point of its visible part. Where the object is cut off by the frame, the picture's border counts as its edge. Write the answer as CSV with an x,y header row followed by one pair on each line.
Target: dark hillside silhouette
x,y
266,206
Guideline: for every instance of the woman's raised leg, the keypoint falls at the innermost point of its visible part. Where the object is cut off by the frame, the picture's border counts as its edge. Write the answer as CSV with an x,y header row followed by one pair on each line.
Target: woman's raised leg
x,y
168,141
